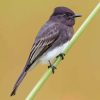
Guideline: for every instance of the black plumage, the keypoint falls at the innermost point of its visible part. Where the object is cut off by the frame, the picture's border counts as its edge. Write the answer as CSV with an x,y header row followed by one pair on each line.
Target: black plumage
x,y
56,31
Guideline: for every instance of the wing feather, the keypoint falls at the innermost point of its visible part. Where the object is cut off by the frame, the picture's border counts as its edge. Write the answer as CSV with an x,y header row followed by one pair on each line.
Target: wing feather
x,y
41,46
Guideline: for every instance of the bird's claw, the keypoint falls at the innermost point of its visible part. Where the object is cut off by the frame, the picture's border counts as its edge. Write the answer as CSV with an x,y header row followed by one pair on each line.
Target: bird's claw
x,y
61,55
52,66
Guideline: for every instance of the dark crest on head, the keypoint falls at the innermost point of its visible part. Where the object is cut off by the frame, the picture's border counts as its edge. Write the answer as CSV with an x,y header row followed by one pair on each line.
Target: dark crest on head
x,y
62,10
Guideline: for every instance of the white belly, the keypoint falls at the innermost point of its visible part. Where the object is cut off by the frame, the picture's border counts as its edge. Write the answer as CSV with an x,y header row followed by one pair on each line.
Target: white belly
x,y
51,55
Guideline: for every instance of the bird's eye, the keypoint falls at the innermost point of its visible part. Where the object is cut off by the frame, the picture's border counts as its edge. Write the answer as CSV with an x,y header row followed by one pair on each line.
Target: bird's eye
x,y
68,14
64,14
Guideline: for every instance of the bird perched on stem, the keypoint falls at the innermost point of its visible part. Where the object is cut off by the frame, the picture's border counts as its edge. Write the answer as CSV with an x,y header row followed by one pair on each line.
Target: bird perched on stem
x,y
50,41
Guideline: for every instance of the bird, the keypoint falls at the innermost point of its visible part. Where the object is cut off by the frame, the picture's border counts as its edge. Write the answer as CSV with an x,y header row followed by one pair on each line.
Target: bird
x,y
50,41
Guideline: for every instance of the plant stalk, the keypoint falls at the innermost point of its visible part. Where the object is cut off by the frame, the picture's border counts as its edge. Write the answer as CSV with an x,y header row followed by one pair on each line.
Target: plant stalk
x,y
47,74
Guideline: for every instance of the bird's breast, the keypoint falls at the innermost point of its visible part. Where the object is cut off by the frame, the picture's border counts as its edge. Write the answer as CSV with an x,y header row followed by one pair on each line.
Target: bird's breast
x,y
52,54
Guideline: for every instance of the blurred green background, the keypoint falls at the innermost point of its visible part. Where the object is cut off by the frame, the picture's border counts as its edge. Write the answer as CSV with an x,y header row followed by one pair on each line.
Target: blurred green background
x,y
78,76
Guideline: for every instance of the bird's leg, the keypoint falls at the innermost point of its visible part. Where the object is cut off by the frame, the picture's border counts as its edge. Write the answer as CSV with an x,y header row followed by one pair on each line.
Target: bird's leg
x,y
49,64
61,55
52,66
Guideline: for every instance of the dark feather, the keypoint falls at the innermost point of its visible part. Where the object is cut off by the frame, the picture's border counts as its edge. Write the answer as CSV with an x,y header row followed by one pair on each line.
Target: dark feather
x,y
43,42
57,31
41,45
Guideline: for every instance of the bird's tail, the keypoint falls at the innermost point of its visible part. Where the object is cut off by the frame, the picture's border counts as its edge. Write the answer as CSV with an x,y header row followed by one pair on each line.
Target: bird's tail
x,y
21,77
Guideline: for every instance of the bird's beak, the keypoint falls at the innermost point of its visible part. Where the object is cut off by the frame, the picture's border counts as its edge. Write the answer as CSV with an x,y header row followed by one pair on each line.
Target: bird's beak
x,y
77,15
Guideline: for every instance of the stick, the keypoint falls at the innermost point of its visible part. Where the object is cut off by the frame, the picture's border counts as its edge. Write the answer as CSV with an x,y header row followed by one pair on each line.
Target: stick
x,y
68,47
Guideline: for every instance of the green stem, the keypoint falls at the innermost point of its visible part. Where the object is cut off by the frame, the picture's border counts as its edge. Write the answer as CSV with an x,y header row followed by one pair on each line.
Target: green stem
x,y
58,60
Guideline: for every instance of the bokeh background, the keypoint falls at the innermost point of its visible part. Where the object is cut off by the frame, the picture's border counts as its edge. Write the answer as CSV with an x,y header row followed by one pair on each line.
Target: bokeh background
x,y
77,77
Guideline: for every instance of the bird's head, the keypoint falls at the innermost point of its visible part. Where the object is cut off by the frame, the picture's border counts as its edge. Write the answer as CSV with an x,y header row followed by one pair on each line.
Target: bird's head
x,y
66,14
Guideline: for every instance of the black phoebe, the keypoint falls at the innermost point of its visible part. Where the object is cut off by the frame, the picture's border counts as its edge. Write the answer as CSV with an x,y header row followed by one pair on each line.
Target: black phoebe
x,y
50,41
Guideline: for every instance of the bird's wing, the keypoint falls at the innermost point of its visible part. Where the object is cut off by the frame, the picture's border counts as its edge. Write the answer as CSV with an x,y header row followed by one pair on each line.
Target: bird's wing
x,y
49,36
42,44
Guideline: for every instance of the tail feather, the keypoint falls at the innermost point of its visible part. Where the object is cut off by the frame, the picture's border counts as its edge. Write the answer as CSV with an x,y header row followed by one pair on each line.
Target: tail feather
x,y
21,77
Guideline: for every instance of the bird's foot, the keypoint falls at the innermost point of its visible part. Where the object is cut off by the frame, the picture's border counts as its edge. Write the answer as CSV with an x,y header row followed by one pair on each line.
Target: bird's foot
x,y
61,55
52,66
